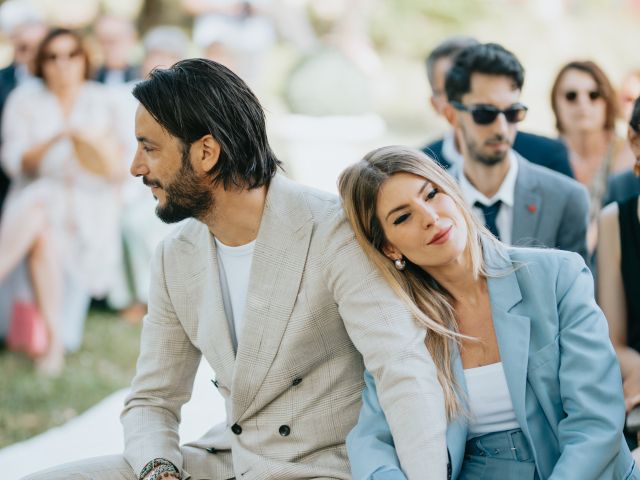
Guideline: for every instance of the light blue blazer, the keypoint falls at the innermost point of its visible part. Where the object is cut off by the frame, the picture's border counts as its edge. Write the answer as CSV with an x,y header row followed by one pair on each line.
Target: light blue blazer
x,y
561,370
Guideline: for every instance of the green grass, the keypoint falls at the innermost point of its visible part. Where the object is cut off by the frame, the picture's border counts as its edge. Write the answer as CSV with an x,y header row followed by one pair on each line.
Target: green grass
x,y
31,404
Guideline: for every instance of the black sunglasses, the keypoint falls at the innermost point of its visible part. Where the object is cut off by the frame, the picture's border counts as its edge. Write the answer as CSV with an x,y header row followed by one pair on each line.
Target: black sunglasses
x,y
54,57
572,95
487,114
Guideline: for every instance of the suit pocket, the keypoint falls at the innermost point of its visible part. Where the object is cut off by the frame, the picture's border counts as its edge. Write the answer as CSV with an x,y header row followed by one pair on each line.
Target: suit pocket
x,y
543,377
548,353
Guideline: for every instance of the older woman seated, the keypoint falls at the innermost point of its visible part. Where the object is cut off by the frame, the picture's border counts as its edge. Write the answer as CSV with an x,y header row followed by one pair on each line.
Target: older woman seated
x,y
61,214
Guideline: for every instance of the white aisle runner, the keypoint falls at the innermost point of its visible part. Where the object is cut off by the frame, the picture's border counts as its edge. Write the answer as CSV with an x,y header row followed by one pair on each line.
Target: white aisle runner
x,y
98,431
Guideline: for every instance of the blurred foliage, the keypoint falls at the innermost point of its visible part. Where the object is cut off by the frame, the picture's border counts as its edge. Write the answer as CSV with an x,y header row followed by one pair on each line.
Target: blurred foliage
x,y
162,12
413,27
326,83
31,404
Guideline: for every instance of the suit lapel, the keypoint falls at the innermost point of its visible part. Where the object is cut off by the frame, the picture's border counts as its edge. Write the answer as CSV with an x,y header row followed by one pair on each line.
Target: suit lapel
x,y
276,271
205,297
527,205
512,331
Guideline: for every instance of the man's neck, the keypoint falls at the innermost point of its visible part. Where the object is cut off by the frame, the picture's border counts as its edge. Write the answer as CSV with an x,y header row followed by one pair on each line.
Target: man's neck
x,y
236,215
487,179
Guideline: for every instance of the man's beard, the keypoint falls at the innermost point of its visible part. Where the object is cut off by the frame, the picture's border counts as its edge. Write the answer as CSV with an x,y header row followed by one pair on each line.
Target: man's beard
x,y
478,156
186,196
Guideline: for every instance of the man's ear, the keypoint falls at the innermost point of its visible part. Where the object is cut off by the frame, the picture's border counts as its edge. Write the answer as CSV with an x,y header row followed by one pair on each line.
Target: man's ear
x,y
205,153
451,114
434,103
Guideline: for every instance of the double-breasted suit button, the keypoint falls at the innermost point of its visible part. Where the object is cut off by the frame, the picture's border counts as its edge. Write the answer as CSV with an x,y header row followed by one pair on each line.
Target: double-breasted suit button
x,y
212,450
296,381
284,430
237,429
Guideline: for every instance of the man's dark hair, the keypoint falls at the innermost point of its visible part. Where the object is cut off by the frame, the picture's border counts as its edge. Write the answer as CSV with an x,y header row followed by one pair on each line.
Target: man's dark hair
x,y
634,121
197,97
448,48
487,58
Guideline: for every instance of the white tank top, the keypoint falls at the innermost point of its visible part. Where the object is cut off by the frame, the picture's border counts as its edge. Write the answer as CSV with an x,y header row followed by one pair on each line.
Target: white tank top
x,y
489,400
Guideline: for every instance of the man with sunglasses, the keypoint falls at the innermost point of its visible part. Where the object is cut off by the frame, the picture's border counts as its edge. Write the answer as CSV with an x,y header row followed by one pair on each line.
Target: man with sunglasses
x,y
538,149
521,203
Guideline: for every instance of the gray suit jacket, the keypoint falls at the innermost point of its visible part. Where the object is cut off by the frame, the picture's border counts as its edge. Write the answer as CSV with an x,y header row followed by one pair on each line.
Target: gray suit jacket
x,y
293,387
550,209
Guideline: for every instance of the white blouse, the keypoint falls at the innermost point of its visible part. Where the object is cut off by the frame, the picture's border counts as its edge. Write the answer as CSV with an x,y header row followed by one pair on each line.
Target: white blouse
x,y
489,400
83,209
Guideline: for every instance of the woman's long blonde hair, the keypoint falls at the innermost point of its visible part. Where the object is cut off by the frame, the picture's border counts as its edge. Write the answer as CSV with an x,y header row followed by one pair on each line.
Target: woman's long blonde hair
x,y
429,302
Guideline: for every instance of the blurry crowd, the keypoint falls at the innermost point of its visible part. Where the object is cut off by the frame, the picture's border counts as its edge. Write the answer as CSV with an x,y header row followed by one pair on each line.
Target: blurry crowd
x,y
75,226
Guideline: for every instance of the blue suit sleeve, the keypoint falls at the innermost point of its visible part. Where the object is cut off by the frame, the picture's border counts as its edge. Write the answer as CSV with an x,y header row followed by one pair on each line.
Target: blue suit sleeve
x,y
590,385
370,445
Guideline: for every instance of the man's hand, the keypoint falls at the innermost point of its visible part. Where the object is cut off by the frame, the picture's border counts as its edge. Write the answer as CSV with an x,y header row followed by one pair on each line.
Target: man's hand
x,y
160,469
32,158
161,477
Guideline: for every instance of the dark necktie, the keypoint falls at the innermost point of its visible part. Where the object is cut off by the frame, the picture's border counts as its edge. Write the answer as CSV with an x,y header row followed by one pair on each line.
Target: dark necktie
x,y
490,215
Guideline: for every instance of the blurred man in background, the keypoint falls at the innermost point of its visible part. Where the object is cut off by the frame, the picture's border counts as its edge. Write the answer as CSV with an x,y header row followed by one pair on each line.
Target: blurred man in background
x,y
535,148
117,38
521,203
25,29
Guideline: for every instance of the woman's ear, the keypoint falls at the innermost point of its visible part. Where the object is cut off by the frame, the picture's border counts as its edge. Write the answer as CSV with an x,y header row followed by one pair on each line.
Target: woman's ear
x,y
391,252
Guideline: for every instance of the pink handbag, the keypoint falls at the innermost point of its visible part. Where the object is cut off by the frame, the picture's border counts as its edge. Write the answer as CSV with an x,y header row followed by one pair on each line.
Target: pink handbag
x,y
27,330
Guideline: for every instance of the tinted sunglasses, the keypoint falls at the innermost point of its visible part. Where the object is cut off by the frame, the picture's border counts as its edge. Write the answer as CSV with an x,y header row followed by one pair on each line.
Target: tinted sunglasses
x,y
54,57
572,95
487,114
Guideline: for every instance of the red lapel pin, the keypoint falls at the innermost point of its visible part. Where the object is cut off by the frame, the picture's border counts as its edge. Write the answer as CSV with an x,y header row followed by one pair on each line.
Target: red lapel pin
x,y
532,208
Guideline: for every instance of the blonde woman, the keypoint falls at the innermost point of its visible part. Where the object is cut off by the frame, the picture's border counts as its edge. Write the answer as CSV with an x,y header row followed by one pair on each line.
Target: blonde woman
x,y
531,382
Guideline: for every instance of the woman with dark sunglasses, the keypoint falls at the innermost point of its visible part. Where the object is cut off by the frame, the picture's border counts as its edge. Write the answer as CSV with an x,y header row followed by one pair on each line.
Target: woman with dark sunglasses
x,y
585,107
61,147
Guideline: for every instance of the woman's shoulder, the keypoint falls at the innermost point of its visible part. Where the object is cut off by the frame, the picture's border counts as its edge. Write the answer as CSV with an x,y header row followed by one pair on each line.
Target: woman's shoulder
x,y
543,274
546,261
32,90
93,88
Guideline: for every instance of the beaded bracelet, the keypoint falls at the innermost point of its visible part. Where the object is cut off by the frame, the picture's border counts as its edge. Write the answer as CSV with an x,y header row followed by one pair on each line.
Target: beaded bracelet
x,y
156,463
163,472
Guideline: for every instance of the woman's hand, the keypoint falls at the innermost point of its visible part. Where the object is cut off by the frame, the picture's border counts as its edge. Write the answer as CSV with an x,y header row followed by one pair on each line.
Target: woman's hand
x,y
96,153
32,158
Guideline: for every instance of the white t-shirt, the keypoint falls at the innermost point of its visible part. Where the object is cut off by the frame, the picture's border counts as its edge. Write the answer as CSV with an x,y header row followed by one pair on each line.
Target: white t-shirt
x,y
234,264
489,400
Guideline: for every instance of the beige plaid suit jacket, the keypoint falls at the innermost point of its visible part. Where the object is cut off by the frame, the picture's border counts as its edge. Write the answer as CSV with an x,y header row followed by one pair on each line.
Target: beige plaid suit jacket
x,y
293,389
